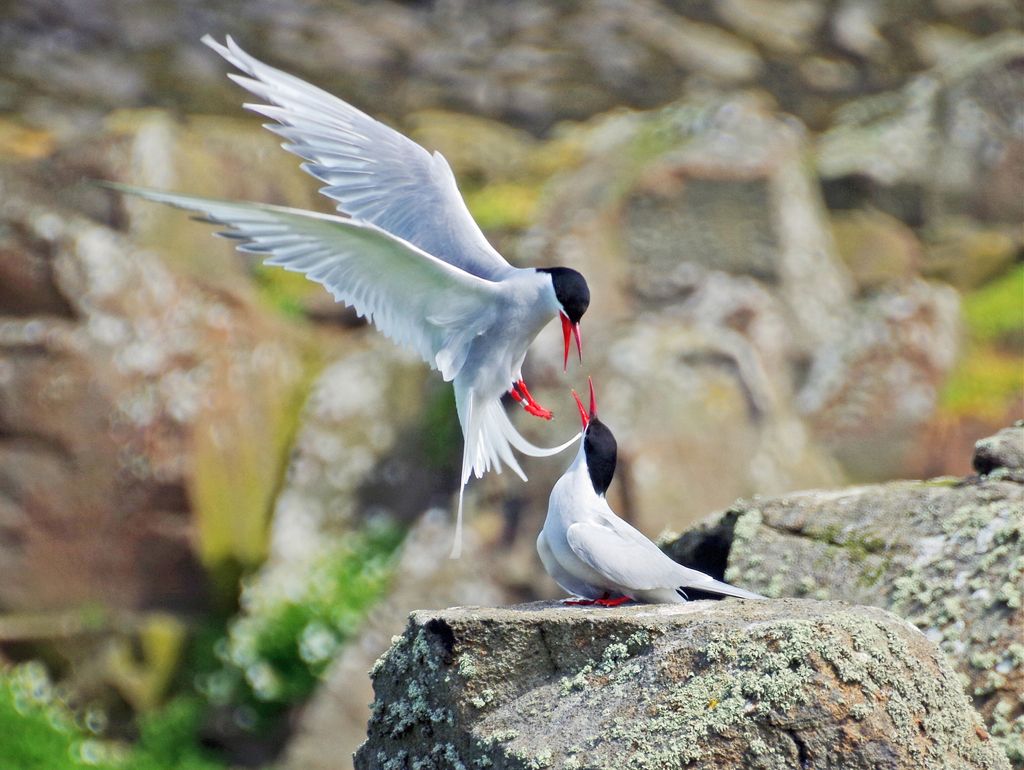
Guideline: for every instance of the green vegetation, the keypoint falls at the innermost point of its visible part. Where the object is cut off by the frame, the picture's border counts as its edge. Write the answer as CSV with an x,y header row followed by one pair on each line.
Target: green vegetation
x,y
285,291
266,660
38,731
990,376
995,312
167,739
276,652
240,458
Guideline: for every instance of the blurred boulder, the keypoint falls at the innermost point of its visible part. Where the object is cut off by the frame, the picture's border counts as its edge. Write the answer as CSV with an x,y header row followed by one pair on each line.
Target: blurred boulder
x,y
767,685
869,395
121,382
877,248
1003,452
946,554
949,143
713,275
361,454
98,415
530,63
333,723
356,414
718,182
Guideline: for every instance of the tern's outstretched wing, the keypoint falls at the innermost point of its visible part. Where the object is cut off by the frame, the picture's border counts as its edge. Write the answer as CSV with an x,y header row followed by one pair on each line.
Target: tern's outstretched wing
x,y
375,173
412,297
623,554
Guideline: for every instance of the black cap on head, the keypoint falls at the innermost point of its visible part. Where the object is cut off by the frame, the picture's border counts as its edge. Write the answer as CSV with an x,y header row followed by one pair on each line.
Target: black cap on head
x,y
571,290
601,450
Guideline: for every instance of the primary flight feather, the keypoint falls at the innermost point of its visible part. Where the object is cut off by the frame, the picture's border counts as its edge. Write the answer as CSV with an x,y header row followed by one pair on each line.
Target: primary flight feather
x,y
405,253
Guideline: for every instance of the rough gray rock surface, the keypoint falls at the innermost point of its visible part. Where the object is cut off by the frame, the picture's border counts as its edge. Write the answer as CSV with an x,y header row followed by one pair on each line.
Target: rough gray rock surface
x,y
726,684
946,554
1002,452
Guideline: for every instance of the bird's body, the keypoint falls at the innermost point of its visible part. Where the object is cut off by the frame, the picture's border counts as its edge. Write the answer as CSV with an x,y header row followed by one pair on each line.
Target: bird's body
x,y
405,253
592,553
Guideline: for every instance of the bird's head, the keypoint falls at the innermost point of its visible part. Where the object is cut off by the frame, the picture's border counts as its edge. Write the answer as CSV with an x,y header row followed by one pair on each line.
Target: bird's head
x,y
573,297
599,446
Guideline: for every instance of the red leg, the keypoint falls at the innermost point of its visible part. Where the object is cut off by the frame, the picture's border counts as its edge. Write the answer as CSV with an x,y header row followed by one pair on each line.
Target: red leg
x,y
531,405
604,601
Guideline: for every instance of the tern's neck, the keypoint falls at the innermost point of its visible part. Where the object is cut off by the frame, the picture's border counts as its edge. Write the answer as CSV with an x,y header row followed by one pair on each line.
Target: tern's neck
x,y
579,472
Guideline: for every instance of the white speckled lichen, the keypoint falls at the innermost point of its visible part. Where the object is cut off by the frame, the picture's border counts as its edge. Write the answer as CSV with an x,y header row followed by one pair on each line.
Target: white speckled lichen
x,y
948,557
647,688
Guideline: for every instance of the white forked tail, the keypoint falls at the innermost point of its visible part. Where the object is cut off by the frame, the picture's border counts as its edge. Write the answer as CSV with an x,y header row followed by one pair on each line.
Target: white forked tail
x,y
489,437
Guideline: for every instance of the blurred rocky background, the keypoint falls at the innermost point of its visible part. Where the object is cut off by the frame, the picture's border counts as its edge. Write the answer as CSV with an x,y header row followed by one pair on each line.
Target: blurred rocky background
x,y
221,494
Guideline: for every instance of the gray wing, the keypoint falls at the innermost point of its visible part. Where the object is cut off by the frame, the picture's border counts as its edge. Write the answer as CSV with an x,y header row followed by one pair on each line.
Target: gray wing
x,y
560,575
623,554
374,173
413,298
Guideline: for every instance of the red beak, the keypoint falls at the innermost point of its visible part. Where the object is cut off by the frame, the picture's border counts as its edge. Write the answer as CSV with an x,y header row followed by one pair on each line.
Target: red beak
x,y
585,418
567,328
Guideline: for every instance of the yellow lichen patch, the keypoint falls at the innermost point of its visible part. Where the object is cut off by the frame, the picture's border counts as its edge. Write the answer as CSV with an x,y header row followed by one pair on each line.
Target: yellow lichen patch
x,y
239,455
476,148
503,206
984,384
23,143
144,682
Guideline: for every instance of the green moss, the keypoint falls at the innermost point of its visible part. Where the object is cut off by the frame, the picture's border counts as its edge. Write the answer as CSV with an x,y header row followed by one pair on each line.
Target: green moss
x,y
39,732
990,376
995,312
168,739
508,206
236,481
984,383
276,656
440,433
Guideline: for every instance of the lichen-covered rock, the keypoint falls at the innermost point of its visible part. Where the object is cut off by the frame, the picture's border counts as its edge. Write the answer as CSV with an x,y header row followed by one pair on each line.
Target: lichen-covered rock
x,y
947,555
766,685
1002,452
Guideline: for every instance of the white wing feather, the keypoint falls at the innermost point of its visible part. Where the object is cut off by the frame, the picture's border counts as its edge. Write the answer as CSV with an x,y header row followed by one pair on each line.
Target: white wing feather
x,y
374,173
622,553
413,298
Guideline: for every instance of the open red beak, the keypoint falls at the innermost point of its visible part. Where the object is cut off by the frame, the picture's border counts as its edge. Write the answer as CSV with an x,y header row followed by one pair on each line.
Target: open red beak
x,y
586,417
567,328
